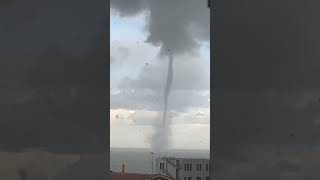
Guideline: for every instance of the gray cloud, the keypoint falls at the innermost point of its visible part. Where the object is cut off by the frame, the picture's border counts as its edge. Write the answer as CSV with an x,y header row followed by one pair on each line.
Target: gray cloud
x,y
150,100
190,74
129,8
174,25
124,51
150,118
145,91
112,59
145,118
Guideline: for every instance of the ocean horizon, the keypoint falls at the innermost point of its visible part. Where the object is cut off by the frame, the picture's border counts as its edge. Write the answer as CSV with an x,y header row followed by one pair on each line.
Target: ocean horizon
x,y
139,160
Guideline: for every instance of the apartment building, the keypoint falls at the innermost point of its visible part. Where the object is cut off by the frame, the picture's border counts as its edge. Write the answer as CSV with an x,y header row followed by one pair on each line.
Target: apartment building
x,y
183,168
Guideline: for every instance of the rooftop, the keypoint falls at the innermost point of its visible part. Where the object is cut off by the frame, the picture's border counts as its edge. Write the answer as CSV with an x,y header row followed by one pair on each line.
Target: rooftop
x,y
177,158
137,176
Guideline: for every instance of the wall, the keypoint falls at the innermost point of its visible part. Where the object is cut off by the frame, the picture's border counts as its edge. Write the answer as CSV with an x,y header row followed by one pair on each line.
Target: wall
x,y
203,173
172,170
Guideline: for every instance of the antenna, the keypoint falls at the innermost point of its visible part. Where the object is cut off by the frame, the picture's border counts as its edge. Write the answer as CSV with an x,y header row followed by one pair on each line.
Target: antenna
x,y
152,153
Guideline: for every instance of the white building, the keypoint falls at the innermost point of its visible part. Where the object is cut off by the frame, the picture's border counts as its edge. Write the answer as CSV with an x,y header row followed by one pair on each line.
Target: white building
x,y
183,168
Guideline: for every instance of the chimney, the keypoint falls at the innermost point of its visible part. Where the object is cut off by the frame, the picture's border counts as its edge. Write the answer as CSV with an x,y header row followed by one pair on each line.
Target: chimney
x,y
123,168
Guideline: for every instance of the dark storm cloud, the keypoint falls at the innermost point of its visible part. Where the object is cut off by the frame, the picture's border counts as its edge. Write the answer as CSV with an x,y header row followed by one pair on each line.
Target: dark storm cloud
x,y
266,75
53,75
175,25
129,8
173,29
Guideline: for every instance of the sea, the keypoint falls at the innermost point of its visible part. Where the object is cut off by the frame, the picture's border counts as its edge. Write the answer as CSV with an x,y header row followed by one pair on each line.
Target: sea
x,y
140,160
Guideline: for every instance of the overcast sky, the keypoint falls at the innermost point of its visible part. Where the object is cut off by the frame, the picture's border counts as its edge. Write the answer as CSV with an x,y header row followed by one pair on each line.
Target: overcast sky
x,y
138,77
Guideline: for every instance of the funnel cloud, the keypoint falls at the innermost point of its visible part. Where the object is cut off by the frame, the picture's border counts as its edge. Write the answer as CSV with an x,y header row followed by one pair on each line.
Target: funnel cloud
x,y
161,139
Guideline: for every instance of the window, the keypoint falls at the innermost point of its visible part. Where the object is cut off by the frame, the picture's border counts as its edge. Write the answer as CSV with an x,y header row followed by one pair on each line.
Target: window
x,y
198,167
162,166
207,167
187,178
207,178
187,167
198,178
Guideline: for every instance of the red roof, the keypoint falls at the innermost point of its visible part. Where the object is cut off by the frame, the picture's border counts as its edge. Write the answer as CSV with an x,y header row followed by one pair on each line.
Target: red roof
x,y
137,176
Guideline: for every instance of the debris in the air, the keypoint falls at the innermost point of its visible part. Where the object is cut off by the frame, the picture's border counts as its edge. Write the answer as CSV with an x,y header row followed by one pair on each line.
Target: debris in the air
x,y
147,64
117,116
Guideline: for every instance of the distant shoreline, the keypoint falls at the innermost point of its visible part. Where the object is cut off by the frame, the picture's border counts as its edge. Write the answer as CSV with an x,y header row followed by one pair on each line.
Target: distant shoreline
x,y
147,149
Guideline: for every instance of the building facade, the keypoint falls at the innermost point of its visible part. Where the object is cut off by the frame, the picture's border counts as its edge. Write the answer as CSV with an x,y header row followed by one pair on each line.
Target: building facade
x,y
183,168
